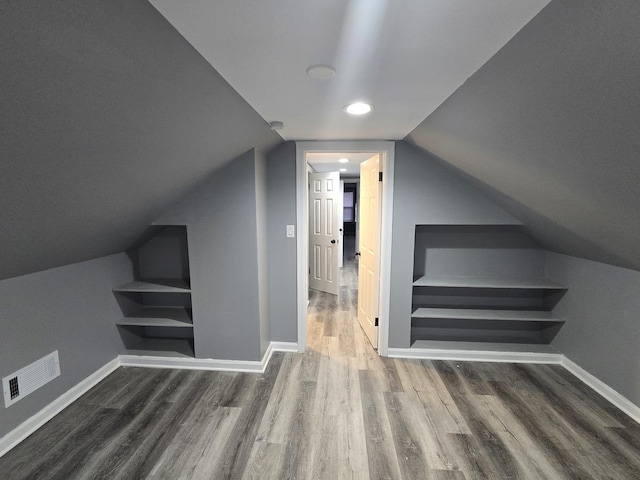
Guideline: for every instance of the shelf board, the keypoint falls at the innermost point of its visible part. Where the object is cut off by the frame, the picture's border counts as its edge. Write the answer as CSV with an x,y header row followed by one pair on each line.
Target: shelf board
x,y
160,285
162,347
460,281
480,314
484,346
173,317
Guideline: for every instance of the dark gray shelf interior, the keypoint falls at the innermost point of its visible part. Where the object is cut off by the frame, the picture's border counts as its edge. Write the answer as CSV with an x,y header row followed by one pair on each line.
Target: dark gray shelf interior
x,y
482,284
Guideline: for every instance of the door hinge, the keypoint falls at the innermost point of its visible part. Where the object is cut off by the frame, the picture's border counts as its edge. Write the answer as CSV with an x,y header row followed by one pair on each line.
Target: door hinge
x,y
376,322
379,176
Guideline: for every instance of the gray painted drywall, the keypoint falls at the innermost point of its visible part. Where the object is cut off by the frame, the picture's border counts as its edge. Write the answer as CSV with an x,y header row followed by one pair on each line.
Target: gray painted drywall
x,y
222,235
262,248
549,128
70,309
477,250
426,192
165,255
602,329
281,206
109,117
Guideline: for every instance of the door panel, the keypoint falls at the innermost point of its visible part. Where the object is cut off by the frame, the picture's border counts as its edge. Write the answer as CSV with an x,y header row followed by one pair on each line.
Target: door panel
x,y
323,221
368,266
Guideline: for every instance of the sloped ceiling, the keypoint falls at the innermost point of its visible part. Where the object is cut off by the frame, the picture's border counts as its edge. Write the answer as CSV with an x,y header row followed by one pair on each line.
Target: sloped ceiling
x,y
108,116
550,128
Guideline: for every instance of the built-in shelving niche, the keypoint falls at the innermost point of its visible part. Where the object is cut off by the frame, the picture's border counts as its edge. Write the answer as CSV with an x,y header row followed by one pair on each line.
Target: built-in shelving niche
x,y
157,317
483,285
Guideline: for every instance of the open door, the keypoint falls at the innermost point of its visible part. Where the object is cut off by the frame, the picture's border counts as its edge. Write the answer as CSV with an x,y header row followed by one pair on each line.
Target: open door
x,y
324,199
369,248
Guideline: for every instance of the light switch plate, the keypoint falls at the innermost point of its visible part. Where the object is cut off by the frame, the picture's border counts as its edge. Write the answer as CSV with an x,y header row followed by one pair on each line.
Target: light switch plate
x,y
291,231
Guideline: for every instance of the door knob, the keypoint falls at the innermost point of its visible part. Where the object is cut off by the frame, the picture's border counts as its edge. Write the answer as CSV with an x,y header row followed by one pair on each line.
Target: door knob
x,y
357,254
333,241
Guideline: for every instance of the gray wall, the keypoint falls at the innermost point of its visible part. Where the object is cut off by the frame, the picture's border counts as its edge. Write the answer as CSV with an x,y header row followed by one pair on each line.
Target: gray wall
x,y
426,192
70,309
262,247
165,255
221,222
602,313
477,250
281,202
109,117
549,128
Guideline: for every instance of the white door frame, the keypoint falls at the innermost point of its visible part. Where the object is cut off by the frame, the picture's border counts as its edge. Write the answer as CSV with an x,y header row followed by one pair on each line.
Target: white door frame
x,y
387,149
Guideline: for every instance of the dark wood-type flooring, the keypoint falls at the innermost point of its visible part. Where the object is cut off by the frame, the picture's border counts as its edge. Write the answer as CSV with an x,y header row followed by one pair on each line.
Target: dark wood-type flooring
x,y
338,411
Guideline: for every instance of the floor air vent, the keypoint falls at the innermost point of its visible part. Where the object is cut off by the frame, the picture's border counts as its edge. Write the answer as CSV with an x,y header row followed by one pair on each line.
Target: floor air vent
x,y
30,378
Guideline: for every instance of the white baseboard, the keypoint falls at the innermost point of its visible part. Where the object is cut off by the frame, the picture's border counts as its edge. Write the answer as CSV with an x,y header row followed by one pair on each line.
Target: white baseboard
x,y
186,363
251,366
474,355
285,346
603,389
33,423
30,425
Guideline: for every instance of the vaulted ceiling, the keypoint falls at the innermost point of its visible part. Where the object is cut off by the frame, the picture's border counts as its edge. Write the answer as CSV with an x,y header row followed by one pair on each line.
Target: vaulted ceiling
x,y
109,116
550,128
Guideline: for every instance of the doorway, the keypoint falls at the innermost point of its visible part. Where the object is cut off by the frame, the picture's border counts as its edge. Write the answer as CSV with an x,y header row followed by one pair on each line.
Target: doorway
x,y
365,149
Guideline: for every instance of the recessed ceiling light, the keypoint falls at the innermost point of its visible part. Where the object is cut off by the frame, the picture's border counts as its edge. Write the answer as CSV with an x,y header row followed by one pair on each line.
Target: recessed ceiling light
x,y
343,160
321,72
343,169
358,108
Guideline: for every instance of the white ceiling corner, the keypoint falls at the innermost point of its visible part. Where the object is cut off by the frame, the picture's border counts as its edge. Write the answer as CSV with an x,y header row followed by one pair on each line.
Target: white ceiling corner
x,y
405,57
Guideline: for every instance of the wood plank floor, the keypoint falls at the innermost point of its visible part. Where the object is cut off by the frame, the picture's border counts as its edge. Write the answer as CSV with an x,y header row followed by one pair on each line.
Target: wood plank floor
x,y
338,411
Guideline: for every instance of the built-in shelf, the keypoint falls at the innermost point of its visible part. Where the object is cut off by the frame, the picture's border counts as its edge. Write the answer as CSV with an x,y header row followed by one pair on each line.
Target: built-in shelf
x,y
155,286
460,281
482,287
156,306
172,317
483,346
481,314
163,347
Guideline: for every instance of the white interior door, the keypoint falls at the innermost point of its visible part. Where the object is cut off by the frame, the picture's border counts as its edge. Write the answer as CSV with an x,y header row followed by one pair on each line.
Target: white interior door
x,y
369,247
324,198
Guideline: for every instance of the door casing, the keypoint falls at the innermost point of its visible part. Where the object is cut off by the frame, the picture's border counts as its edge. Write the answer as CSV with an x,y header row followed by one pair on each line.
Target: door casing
x,y
387,149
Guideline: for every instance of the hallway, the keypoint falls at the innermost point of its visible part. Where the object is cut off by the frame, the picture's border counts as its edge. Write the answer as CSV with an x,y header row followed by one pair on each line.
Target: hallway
x,y
338,411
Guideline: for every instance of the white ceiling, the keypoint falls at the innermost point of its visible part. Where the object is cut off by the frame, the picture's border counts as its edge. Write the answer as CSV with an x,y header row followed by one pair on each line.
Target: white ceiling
x,y
403,56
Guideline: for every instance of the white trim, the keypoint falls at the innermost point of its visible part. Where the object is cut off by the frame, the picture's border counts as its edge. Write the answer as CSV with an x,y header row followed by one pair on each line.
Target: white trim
x,y
26,428
387,148
284,346
33,423
603,389
189,363
474,355
385,249
302,278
